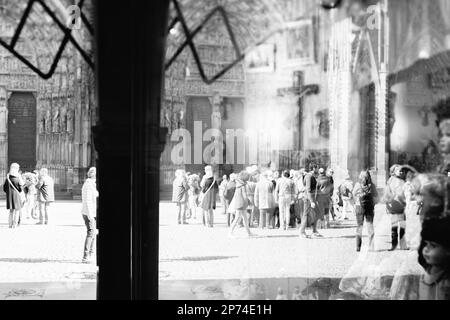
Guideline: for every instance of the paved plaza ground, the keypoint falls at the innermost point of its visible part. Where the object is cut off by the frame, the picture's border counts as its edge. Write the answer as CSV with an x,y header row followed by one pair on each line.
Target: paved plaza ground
x,y
44,261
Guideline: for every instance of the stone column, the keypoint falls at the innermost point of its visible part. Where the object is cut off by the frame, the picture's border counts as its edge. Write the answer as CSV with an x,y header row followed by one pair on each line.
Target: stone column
x,y
216,123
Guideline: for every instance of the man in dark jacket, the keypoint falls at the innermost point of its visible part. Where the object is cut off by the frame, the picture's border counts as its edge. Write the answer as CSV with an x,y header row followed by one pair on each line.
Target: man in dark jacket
x,y
310,202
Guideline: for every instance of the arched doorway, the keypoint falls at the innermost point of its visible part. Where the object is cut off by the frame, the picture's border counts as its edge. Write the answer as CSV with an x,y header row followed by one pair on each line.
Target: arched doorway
x,y
22,130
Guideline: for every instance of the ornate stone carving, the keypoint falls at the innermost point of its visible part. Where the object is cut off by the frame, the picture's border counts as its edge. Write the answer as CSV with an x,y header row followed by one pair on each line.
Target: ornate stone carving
x,y
48,122
226,88
70,117
19,82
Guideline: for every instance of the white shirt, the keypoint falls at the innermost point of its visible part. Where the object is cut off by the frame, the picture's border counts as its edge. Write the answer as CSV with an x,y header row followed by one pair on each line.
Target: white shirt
x,y
89,196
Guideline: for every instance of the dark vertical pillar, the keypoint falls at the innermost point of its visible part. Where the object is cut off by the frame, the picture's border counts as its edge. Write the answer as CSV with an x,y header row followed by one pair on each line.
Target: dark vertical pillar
x,y
130,46
148,58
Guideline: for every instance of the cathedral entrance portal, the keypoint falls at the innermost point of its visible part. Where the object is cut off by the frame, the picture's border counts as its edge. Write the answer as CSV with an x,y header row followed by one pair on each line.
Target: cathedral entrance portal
x,y
22,130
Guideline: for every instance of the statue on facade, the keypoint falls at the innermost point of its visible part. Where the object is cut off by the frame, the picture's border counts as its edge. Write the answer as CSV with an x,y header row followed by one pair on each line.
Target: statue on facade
x,y
42,125
56,122
48,122
69,126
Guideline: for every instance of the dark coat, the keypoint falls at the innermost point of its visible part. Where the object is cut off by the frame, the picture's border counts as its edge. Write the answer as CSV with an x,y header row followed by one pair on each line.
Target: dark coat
x,y
12,196
209,201
325,190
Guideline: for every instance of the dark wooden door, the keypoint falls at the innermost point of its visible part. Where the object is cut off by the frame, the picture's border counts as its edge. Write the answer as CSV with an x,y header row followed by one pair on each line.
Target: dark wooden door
x,y
198,109
22,130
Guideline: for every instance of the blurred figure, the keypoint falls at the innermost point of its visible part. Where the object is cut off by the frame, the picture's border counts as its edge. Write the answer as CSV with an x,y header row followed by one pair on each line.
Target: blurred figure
x,y
240,203
276,210
310,207
264,199
299,196
413,224
46,195
89,195
280,292
208,196
284,193
330,173
229,193
30,193
251,209
222,188
193,194
394,197
345,193
297,294
325,191
366,195
14,194
180,194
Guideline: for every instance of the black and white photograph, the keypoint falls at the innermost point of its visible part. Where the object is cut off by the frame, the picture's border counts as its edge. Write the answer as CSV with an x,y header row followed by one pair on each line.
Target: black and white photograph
x,y
261,59
300,41
196,150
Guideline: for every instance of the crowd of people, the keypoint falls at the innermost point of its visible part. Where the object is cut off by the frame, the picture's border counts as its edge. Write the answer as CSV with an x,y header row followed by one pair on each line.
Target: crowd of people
x,y
264,199
417,205
28,195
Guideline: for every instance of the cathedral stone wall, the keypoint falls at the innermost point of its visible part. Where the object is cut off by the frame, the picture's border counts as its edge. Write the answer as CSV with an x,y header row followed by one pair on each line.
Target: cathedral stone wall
x,y
65,113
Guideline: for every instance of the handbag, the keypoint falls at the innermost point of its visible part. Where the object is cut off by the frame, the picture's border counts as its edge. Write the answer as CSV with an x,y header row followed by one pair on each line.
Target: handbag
x,y
22,196
395,207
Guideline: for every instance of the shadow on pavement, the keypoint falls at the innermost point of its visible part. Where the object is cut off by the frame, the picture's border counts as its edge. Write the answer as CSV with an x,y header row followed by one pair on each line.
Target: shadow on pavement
x,y
206,258
37,260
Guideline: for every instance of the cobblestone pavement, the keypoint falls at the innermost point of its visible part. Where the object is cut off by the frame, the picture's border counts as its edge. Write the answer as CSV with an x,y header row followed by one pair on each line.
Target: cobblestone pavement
x,y
204,263
45,258
44,262
195,252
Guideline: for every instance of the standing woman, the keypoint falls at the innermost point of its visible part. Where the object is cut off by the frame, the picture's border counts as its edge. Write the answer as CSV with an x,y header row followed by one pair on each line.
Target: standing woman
x,y
240,203
264,199
89,195
366,196
13,189
229,193
193,194
180,194
222,188
210,189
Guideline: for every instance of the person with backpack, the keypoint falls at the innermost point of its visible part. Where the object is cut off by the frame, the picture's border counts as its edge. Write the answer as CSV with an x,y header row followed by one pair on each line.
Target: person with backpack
x,y
365,195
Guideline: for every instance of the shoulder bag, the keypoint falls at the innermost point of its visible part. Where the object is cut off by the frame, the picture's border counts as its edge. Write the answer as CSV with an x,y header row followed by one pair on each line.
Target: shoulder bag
x,y
21,194
202,195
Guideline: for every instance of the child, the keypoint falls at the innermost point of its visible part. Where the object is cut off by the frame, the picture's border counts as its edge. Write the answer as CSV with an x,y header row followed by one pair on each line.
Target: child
x,y
434,255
